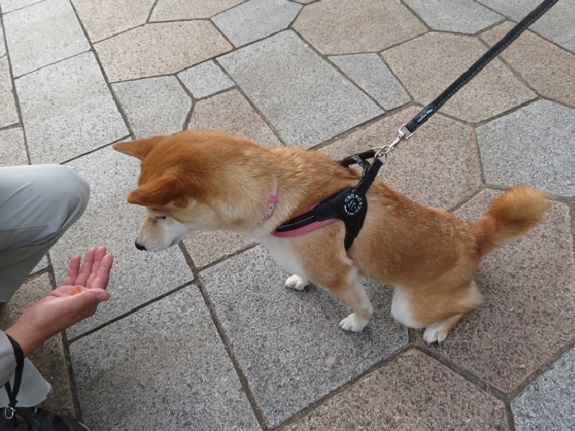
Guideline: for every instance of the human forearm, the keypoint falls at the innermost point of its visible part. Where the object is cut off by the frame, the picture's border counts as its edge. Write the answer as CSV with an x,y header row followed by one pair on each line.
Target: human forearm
x,y
28,338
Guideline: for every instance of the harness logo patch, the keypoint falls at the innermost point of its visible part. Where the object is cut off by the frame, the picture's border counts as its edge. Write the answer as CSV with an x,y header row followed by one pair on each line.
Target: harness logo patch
x,y
352,204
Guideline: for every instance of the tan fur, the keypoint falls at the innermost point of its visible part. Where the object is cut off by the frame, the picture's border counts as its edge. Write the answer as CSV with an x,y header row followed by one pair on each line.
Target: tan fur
x,y
211,180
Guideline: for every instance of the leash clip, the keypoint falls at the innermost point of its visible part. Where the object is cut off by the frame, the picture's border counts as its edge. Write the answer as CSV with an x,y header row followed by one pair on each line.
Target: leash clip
x,y
386,149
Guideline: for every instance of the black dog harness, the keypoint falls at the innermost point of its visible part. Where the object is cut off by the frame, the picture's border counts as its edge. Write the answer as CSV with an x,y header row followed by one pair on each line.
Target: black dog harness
x,y
348,205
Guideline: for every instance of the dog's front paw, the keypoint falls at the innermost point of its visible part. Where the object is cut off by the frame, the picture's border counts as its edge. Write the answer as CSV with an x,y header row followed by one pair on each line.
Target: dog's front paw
x,y
353,323
296,282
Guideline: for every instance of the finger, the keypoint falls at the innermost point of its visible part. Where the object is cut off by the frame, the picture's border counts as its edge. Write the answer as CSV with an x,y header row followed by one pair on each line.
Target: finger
x,y
86,267
103,274
73,269
98,256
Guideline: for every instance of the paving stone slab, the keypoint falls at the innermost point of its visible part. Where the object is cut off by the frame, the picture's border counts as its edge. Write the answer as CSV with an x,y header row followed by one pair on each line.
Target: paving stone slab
x,y
372,75
306,355
163,367
42,34
67,110
230,112
43,264
205,79
303,96
533,144
154,106
529,308
547,68
428,65
438,166
549,402
356,26
10,5
461,16
168,10
208,247
157,49
49,358
12,147
413,392
8,113
105,18
137,277
557,25
256,19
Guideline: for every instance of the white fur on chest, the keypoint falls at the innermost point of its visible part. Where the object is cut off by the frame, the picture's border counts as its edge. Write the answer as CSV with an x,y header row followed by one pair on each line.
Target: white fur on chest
x,y
283,253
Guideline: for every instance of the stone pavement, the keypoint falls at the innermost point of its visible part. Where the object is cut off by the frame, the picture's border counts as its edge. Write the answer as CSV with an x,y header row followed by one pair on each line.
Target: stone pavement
x,y
204,336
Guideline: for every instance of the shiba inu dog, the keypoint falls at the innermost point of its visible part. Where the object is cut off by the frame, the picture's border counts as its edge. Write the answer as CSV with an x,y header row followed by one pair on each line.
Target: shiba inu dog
x,y
212,180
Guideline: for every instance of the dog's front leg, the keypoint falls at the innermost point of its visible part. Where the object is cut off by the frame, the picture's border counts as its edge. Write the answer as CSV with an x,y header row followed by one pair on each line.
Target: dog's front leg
x,y
319,256
352,292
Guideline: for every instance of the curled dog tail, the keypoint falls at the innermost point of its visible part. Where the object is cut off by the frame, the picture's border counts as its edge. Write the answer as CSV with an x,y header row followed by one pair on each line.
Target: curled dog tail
x,y
518,210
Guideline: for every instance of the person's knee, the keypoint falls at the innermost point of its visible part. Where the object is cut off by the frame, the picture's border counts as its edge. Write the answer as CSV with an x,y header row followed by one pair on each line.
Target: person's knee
x,y
72,190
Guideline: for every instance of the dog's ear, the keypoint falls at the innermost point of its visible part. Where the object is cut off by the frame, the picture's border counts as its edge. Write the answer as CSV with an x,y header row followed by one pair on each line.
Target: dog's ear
x,y
158,192
139,148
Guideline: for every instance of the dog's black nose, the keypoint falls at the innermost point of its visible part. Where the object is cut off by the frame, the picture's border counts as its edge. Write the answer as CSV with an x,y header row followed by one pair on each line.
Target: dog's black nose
x,y
140,246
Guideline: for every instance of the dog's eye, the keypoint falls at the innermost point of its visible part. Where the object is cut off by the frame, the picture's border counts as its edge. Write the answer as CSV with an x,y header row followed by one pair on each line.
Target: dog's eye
x,y
161,218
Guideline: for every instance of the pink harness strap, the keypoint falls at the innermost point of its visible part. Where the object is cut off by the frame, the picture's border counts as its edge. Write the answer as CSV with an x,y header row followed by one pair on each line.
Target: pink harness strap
x,y
305,229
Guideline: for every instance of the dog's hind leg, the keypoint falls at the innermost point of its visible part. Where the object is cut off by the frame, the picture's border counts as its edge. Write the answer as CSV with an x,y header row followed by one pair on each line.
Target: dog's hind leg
x,y
296,282
437,312
438,331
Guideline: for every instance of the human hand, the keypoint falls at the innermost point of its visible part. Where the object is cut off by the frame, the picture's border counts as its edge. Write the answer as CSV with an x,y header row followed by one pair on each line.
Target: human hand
x,y
65,306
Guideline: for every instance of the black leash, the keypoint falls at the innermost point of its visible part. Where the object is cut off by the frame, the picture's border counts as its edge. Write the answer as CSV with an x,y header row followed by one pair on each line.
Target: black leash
x,y
427,112
12,393
495,50
350,204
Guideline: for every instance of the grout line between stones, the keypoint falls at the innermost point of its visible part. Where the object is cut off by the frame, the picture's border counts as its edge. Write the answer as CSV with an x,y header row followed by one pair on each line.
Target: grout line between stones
x,y
95,149
542,369
254,107
23,7
51,64
509,416
104,76
514,72
65,344
192,99
152,11
364,125
228,345
466,374
513,21
14,91
315,404
132,311
416,15
227,257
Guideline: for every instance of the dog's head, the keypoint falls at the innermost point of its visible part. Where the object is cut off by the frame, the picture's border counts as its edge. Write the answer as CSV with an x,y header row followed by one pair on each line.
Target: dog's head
x,y
189,181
